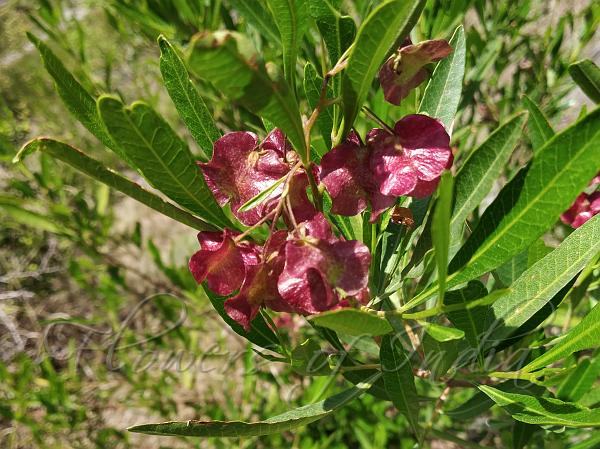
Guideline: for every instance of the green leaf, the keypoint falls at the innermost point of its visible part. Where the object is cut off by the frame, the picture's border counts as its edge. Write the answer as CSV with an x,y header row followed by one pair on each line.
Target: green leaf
x,y
532,202
291,19
440,356
515,267
96,170
381,32
440,230
161,156
442,333
257,15
260,333
227,60
352,322
75,97
587,76
543,411
581,380
442,94
522,433
585,335
262,196
539,283
470,320
479,403
189,103
338,31
308,359
399,380
481,170
277,424
312,89
540,130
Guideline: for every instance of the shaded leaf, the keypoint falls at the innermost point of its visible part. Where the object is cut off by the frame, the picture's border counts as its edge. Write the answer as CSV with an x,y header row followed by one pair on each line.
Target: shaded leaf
x,y
399,380
260,333
338,31
470,320
291,19
440,356
309,359
256,14
312,89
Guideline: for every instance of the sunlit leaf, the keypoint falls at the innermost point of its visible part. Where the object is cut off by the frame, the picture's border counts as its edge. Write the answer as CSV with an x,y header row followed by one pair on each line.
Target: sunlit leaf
x,y
189,103
381,32
277,424
161,156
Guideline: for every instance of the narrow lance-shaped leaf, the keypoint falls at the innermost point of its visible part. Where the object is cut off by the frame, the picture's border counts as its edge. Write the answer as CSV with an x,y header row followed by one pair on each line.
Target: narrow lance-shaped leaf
x,y
399,380
581,380
262,196
538,284
442,333
440,230
76,98
291,19
585,335
96,170
442,94
543,411
483,167
385,27
540,130
189,103
277,424
532,202
352,322
587,76
161,156
229,62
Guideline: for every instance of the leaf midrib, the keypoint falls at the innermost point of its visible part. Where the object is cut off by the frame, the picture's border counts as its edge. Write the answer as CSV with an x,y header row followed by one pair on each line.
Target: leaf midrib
x,y
528,206
499,154
161,162
182,78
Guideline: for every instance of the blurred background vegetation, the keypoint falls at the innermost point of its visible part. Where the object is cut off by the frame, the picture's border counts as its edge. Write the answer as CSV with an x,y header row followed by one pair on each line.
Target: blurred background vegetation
x,y
101,326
